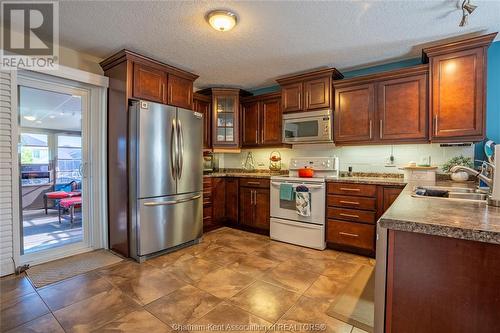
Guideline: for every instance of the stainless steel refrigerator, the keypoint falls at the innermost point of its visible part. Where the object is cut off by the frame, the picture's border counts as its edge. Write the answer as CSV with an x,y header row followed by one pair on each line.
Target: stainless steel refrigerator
x,y
166,177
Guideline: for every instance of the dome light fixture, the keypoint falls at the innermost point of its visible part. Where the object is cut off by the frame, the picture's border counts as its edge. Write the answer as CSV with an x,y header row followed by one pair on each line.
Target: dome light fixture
x,y
221,20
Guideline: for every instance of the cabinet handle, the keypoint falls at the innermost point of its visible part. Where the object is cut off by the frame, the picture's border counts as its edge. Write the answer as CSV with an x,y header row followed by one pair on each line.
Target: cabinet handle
x,y
253,183
371,129
350,189
349,215
348,234
435,125
256,136
349,202
380,129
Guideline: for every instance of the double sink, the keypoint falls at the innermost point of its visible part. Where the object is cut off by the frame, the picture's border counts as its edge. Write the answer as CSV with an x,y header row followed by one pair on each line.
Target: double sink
x,y
450,193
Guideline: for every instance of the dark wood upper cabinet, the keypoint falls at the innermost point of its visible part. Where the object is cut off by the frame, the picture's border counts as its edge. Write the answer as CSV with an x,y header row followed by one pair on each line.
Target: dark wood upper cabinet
x,y
354,113
458,89
180,92
131,76
271,121
149,83
225,117
261,123
308,91
402,108
202,104
292,97
318,93
250,124
389,107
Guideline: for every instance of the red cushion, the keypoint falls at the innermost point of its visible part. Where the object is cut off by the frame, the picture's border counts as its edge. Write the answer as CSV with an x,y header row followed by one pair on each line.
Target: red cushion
x,y
57,195
74,194
68,202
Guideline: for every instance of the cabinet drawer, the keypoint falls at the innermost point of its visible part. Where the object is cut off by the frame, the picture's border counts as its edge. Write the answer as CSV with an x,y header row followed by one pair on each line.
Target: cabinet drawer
x,y
207,199
361,190
354,215
351,202
254,182
351,234
207,182
207,212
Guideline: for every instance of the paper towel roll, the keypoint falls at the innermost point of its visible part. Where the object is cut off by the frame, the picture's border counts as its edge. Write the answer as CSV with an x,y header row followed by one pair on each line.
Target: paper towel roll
x,y
495,194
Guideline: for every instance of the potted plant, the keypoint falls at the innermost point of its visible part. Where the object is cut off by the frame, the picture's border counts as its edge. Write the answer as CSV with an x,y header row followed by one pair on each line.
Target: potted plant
x,y
460,176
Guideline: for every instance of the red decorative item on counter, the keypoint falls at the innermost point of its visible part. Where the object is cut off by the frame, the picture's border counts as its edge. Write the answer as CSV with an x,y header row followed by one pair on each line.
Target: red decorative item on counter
x,y
306,172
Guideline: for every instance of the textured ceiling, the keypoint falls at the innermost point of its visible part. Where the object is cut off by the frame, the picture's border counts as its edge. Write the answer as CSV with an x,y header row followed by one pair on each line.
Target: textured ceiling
x,y
272,38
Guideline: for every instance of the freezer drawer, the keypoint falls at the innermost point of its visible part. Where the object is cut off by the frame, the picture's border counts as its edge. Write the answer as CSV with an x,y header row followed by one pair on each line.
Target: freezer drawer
x,y
165,222
304,234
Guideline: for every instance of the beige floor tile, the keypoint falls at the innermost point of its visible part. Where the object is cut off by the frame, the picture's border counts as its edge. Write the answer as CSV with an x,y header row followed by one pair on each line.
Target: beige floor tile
x,y
341,270
279,251
44,324
72,290
229,317
325,288
143,283
320,254
224,282
183,306
253,266
307,312
13,287
221,255
357,330
137,321
265,300
20,310
169,259
192,269
353,258
96,311
291,277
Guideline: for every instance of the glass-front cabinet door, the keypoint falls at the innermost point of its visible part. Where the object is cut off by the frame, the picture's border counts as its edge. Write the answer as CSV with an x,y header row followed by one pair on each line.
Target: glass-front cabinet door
x,y
225,132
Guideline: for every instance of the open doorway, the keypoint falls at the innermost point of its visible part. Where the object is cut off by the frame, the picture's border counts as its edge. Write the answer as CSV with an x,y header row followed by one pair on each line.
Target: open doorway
x,y
52,159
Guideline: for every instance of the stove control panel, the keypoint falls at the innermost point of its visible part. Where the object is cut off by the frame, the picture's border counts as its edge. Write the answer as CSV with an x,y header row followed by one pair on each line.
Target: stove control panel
x,y
315,163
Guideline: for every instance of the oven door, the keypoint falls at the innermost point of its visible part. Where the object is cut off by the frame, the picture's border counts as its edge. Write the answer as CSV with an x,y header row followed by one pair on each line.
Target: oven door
x,y
286,209
309,127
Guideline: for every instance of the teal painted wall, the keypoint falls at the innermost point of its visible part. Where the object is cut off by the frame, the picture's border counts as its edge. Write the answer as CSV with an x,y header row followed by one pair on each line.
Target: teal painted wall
x,y
493,93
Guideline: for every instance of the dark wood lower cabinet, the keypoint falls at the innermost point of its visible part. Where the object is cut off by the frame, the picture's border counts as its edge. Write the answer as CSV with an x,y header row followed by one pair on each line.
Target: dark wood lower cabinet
x,y
352,212
439,284
232,200
254,205
241,203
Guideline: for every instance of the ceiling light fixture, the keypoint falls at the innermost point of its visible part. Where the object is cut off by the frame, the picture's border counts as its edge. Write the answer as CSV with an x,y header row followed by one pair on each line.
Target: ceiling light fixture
x,y
221,20
30,118
467,9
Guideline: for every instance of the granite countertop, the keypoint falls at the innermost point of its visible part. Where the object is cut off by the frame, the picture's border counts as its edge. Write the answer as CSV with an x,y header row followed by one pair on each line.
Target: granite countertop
x,y
369,180
265,175
443,217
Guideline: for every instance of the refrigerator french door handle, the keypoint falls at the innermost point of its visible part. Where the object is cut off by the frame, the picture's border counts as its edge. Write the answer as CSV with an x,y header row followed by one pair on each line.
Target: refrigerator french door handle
x,y
172,202
173,150
181,149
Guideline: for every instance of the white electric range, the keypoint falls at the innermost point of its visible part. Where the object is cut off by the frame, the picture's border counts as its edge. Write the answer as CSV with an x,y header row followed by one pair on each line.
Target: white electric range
x,y
290,227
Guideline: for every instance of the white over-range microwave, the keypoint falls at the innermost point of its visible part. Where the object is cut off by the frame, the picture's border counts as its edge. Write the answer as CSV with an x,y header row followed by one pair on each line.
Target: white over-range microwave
x,y
308,127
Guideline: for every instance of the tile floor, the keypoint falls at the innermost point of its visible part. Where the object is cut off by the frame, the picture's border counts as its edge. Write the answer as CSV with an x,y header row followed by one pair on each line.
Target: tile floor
x,y
231,278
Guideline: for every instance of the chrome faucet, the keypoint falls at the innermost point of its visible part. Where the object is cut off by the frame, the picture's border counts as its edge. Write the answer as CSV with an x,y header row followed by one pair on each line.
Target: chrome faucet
x,y
475,173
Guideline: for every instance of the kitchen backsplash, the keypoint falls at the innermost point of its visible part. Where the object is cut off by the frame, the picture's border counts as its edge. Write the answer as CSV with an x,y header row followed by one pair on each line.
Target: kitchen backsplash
x,y
361,158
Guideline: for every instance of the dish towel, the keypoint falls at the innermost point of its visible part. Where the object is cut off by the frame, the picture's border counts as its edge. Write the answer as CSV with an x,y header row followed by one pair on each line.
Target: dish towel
x,y
286,192
303,201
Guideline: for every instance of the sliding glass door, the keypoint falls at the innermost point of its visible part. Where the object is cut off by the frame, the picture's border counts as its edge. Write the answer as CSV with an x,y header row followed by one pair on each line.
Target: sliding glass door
x,y
53,155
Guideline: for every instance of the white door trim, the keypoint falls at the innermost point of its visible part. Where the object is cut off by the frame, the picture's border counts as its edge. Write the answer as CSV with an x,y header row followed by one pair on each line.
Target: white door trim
x,y
96,86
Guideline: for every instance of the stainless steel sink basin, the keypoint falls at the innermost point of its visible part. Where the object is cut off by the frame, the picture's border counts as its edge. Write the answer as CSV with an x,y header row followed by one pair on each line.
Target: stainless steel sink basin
x,y
450,193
